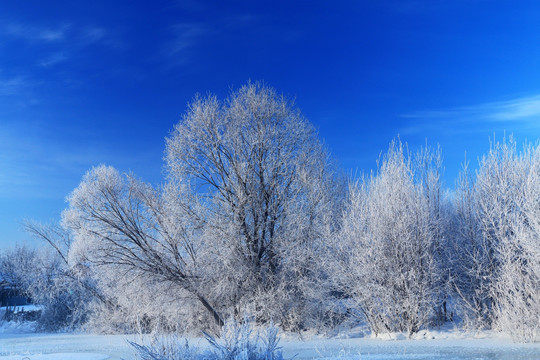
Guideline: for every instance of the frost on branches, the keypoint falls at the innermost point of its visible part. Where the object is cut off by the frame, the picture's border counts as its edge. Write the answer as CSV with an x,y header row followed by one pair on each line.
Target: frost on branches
x,y
254,217
250,193
388,259
508,207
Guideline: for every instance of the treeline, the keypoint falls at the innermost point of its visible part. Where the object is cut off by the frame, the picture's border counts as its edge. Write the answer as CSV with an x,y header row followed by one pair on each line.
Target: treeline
x,y
254,217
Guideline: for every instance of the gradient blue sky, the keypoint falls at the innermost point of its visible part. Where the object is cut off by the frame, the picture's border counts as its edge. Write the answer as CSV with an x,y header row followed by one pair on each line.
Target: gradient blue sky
x,y
85,83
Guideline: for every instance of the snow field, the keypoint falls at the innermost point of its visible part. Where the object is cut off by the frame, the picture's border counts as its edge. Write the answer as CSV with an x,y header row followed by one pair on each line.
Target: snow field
x,y
446,346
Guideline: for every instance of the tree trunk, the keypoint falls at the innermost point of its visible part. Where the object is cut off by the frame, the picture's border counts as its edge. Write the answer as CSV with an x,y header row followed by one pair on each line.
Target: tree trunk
x,y
215,314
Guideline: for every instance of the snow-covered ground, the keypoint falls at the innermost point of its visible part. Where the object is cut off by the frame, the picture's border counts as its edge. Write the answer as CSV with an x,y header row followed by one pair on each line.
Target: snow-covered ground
x,y
64,346
15,344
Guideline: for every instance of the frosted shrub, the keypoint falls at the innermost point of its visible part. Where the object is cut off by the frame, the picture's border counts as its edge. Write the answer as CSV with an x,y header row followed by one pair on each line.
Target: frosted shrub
x,y
167,348
497,271
388,252
237,342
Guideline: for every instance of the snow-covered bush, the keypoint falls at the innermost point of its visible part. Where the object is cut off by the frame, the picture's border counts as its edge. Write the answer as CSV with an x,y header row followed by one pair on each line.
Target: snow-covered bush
x,y
167,347
236,342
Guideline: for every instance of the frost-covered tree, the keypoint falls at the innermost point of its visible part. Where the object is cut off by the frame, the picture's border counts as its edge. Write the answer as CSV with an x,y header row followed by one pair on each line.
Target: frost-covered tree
x,y
472,264
268,190
496,241
250,193
507,196
253,218
125,227
15,264
388,253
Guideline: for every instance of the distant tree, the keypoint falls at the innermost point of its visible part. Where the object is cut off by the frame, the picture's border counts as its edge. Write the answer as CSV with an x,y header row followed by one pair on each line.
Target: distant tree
x,y
14,264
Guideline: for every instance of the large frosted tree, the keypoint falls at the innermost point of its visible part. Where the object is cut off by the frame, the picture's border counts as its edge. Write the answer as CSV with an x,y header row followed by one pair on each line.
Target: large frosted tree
x,y
249,194
267,189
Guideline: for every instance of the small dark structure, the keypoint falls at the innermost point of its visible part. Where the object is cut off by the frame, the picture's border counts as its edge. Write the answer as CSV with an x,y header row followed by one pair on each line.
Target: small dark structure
x,y
10,295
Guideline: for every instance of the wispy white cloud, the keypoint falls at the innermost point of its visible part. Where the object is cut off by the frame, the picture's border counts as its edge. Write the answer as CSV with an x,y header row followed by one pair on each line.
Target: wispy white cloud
x,y
517,109
68,33
54,59
184,38
17,92
52,35
517,113
93,34
62,42
97,35
12,86
36,33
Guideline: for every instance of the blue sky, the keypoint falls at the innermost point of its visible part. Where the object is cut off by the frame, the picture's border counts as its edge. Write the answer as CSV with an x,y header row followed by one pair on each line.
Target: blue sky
x,y
85,83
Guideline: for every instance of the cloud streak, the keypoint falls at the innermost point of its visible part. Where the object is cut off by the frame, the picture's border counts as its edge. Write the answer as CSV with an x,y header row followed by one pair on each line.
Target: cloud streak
x,y
518,109
54,59
184,38
55,45
12,86
35,33
522,109
517,113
